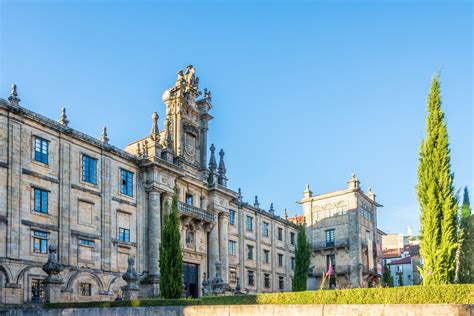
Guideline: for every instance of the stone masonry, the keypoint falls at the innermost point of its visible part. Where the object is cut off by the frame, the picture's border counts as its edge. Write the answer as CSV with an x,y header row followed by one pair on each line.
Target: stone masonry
x,y
99,205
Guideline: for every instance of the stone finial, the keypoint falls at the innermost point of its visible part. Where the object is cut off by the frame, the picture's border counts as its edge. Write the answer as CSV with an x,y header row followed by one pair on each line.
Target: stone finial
x,y
307,192
13,98
353,183
63,118
103,137
155,133
285,214
213,176
131,276
272,210
256,204
52,267
240,198
222,179
212,160
371,194
139,150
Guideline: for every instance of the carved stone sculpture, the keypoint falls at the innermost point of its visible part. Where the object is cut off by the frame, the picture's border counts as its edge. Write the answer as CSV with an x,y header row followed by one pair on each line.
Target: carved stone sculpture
x,y
53,281
131,290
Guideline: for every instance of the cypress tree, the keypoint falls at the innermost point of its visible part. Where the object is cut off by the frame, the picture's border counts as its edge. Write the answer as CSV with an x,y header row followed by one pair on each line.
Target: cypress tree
x,y
436,196
466,255
302,260
171,270
387,276
400,278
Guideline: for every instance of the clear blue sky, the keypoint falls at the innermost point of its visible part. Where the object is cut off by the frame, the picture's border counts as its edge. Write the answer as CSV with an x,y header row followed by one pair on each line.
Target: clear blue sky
x,y
303,92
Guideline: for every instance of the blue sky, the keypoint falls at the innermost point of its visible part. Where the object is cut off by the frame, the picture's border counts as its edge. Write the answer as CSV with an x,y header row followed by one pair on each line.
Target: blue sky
x,y
303,91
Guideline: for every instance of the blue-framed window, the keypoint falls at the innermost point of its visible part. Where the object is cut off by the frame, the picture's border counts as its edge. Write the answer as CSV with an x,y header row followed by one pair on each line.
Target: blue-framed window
x,y
292,238
265,229
126,182
89,169
40,241
249,252
232,248
124,234
86,242
280,260
41,150
231,217
280,233
293,263
266,256
249,223
40,201
329,237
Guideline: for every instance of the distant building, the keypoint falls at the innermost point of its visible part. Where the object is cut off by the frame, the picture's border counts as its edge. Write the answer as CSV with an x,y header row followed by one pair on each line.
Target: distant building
x,y
402,254
342,229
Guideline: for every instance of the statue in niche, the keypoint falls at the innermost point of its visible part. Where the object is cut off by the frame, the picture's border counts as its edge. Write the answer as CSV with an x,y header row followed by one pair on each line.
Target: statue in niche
x,y
189,238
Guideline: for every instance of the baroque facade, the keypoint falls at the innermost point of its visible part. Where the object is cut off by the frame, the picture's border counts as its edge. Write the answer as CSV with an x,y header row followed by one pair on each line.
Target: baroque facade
x,y
100,205
341,227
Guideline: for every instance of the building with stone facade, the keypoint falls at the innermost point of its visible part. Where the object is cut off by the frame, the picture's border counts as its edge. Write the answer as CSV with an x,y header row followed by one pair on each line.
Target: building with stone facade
x,y
342,229
101,205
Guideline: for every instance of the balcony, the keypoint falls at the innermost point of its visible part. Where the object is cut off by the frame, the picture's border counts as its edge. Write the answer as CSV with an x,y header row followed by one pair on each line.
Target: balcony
x,y
195,212
337,270
323,246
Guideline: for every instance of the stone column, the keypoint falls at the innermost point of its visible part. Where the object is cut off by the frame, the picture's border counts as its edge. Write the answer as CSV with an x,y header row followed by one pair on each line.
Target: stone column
x,y
224,246
150,284
213,250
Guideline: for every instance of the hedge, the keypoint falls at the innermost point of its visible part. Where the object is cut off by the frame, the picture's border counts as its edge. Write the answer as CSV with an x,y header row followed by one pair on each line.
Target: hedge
x,y
433,294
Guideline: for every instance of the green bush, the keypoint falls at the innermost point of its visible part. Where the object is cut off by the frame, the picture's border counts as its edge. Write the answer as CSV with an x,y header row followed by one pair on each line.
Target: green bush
x,y
432,294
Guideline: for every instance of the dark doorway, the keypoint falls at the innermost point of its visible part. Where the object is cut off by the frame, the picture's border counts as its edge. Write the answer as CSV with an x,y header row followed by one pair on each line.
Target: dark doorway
x,y
37,291
190,277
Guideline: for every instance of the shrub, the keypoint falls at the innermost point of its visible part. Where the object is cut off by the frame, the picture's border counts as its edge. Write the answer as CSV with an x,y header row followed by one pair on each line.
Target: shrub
x,y
430,294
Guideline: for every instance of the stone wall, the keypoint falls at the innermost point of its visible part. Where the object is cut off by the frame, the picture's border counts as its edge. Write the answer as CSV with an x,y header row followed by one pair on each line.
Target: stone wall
x,y
261,310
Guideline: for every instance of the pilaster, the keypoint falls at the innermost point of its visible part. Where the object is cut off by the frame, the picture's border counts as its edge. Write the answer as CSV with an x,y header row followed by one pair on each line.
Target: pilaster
x,y
64,202
106,216
14,188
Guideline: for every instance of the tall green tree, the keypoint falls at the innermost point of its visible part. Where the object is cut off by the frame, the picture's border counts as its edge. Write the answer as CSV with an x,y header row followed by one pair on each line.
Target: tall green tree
x,y
302,260
466,254
400,278
387,276
171,283
437,198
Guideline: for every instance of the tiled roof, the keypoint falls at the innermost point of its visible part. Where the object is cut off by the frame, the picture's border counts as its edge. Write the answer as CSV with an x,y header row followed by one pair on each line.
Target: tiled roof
x,y
405,260
391,253
299,219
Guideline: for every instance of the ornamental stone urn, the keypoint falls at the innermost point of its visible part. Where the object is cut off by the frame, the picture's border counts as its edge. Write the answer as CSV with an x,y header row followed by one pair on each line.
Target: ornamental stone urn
x,y
131,290
53,281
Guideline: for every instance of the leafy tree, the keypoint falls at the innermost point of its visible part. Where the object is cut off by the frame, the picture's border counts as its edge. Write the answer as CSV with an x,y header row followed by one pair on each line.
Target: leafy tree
x,y
387,276
171,283
438,203
302,260
466,254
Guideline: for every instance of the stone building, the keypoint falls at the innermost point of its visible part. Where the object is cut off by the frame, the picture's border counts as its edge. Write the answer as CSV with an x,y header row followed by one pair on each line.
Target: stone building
x,y
342,229
100,204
